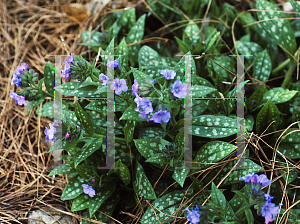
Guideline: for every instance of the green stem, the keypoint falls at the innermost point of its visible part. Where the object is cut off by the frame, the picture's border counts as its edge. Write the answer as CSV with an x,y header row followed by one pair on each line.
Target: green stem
x,y
288,75
283,64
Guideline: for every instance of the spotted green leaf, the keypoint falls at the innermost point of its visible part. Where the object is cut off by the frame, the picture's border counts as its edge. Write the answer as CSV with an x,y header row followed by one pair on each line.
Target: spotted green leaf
x,y
49,74
179,68
279,29
135,35
293,174
48,109
128,18
220,66
237,201
164,209
213,152
70,89
129,130
201,91
217,197
262,66
142,186
151,132
105,192
153,72
248,48
88,150
157,158
279,95
140,76
149,147
183,46
94,39
62,169
73,189
290,145
198,107
165,61
211,40
123,173
84,119
211,126
265,116
180,175
131,114
123,51
32,104
145,54
191,36
84,171
80,203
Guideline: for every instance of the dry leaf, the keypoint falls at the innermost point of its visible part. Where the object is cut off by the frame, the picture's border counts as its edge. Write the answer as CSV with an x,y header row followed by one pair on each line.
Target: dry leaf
x,y
77,12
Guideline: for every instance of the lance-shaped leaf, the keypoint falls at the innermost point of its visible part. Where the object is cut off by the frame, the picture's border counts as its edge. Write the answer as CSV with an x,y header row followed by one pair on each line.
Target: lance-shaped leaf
x,y
217,197
151,132
266,115
73,189
180,175
131,114
279,95
129,130
96,201
262,66
123,50
140,76
149,147
91,147
201,91
62,169
84,119
145,54
49,74
278,28
80,203
48,109
192,37
123,173
164,208
289,144
142,185
32,104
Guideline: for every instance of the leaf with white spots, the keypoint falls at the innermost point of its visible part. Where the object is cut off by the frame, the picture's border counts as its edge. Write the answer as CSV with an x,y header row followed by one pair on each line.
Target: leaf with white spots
x,y
49,74
256,99
131,114
141,185
84,119
293,174
149,147
123,50
94,39
237,202
165,61
62,169
163,209
279,29
217,197
48,109
279,95
151,132
262,66
153,72
192,37
201,91
220,67
88,150
211,41
84,171
140,76
179,68
198,107
128,18
32,104
73,189
146,54
248,48
265,116
129,130
213,152
211,126
180,175
290,145
69,89
135,34
123,173
105,192
80,203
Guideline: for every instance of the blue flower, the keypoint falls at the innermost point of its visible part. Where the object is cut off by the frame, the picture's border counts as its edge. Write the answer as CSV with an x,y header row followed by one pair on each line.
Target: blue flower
x,y
161,115
119,85
168,74
50,133
268,197
112,64
16,80
193,216
88,190
269,211
154,82
67,68
103,78
18,99
254,179
135,87
179,89
70,59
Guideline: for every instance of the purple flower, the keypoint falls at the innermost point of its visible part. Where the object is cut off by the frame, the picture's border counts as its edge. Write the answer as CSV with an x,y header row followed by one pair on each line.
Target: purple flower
x,y
93,180
18,99
119,85
254,179
135,87
67,135
70,59
88,190
112,64
193,216
268,197
16,80
263,180
179,89
144,115
269,211
67,68
161,115
103,78
102,56
168,74
50,133
146,105
22,67
138,101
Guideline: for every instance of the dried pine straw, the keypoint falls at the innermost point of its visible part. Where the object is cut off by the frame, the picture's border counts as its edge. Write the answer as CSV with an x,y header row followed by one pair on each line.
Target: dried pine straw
x,y
29,31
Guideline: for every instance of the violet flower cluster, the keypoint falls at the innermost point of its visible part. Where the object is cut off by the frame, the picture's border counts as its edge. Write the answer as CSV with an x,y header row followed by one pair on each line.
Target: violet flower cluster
x,y
268,210
68,63
88,190
193,216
